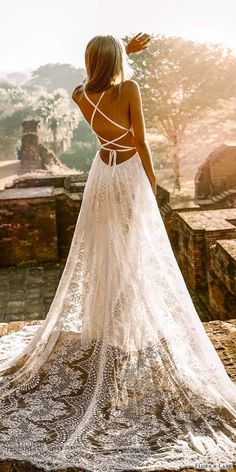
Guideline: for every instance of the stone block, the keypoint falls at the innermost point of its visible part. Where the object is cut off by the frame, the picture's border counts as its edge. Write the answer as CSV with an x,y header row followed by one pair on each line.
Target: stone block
x,y
35,306
14,317
33,293
17,295
15,307
31,232
198,231
36,315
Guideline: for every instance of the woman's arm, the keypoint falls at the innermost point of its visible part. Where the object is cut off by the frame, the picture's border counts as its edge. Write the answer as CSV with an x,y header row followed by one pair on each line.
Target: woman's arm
x,y
137,121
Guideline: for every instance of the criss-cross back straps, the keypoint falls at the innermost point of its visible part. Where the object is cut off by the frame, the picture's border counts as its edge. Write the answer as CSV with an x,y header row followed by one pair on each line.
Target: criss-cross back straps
x,y
98,109
113,152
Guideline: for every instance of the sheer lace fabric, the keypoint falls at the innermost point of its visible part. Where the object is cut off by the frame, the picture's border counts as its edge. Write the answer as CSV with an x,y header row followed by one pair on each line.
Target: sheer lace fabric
x,y
121,375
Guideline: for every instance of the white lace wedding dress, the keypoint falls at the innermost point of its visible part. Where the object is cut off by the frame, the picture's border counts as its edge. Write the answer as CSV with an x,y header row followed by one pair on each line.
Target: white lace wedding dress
x,y
121,375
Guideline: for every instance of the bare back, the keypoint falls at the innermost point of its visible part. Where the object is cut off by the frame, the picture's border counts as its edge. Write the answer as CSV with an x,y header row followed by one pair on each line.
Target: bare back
x,y
118,110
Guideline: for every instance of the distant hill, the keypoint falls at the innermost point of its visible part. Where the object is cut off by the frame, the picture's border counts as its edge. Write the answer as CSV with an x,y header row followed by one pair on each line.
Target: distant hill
x,y
15,77
54,76
49,76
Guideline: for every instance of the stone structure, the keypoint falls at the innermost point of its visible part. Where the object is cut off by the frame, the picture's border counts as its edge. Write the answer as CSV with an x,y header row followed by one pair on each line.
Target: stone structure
x,y
28,228
33,154
37,219
198,231
206,254
27,292
215,181
221,279
29,152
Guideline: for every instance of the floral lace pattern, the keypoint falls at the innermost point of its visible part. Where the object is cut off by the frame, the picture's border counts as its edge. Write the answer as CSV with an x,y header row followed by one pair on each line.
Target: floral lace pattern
x,y
121,375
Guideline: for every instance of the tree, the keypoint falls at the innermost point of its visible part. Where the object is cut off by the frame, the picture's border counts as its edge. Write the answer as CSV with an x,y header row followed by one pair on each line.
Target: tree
x,y
58,118
16,78
84,145
54,76
15,106
181,81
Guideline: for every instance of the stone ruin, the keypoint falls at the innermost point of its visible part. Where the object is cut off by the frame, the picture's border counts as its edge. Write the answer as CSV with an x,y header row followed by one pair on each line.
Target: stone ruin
x,y
215,180
33,154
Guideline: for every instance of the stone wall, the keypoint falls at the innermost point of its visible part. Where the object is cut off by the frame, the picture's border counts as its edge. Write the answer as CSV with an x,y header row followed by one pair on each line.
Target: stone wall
x,y
36,225
198,231
206,255
217,174
204,244
222,279
28,230
37,221
170,214
27,292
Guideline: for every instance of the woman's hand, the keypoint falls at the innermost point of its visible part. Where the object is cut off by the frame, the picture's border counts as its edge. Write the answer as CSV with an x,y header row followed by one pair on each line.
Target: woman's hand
x,y
138,43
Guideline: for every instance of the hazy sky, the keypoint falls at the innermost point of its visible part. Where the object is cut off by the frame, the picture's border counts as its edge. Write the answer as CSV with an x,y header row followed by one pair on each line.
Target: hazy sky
x,y
33,32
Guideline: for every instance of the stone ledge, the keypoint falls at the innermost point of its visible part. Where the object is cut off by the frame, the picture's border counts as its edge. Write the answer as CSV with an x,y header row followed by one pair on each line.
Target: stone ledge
x,y
210,220
25,193
197,232
223,262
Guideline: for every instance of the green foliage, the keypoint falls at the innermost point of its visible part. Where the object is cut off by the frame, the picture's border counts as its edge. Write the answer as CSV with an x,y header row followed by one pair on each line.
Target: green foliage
x,y
83,148
181,81
58,119
11,124
15,106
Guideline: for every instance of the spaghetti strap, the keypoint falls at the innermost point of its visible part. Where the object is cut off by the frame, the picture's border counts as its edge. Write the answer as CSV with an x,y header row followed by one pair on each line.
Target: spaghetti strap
x,y
113,152
98,109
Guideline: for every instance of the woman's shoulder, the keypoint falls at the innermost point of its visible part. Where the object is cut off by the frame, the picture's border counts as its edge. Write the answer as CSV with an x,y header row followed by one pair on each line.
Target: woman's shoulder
x,y
132,89
131,84
77,92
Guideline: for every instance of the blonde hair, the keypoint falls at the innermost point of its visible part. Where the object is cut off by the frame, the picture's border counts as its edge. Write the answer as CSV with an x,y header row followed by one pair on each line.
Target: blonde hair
x,y
106,64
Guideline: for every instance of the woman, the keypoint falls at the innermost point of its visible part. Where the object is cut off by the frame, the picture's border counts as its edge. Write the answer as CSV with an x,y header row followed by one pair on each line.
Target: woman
x,y
121,375
105,70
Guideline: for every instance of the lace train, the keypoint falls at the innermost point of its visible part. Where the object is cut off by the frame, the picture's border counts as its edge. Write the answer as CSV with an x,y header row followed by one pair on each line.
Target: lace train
x,y
121,375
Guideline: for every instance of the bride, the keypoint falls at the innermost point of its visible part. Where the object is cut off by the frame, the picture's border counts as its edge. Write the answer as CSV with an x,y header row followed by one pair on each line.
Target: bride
x,y
121,374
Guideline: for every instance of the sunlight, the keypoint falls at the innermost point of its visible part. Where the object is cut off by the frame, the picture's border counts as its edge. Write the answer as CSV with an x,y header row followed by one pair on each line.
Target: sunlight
x,y
58,31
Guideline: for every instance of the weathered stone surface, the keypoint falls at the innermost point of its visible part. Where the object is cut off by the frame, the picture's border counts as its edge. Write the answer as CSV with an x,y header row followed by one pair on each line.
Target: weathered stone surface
x,y
57,181
197,232
28,231
37,224
27,292
28,152
170,214
207,257
217,176
16,307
